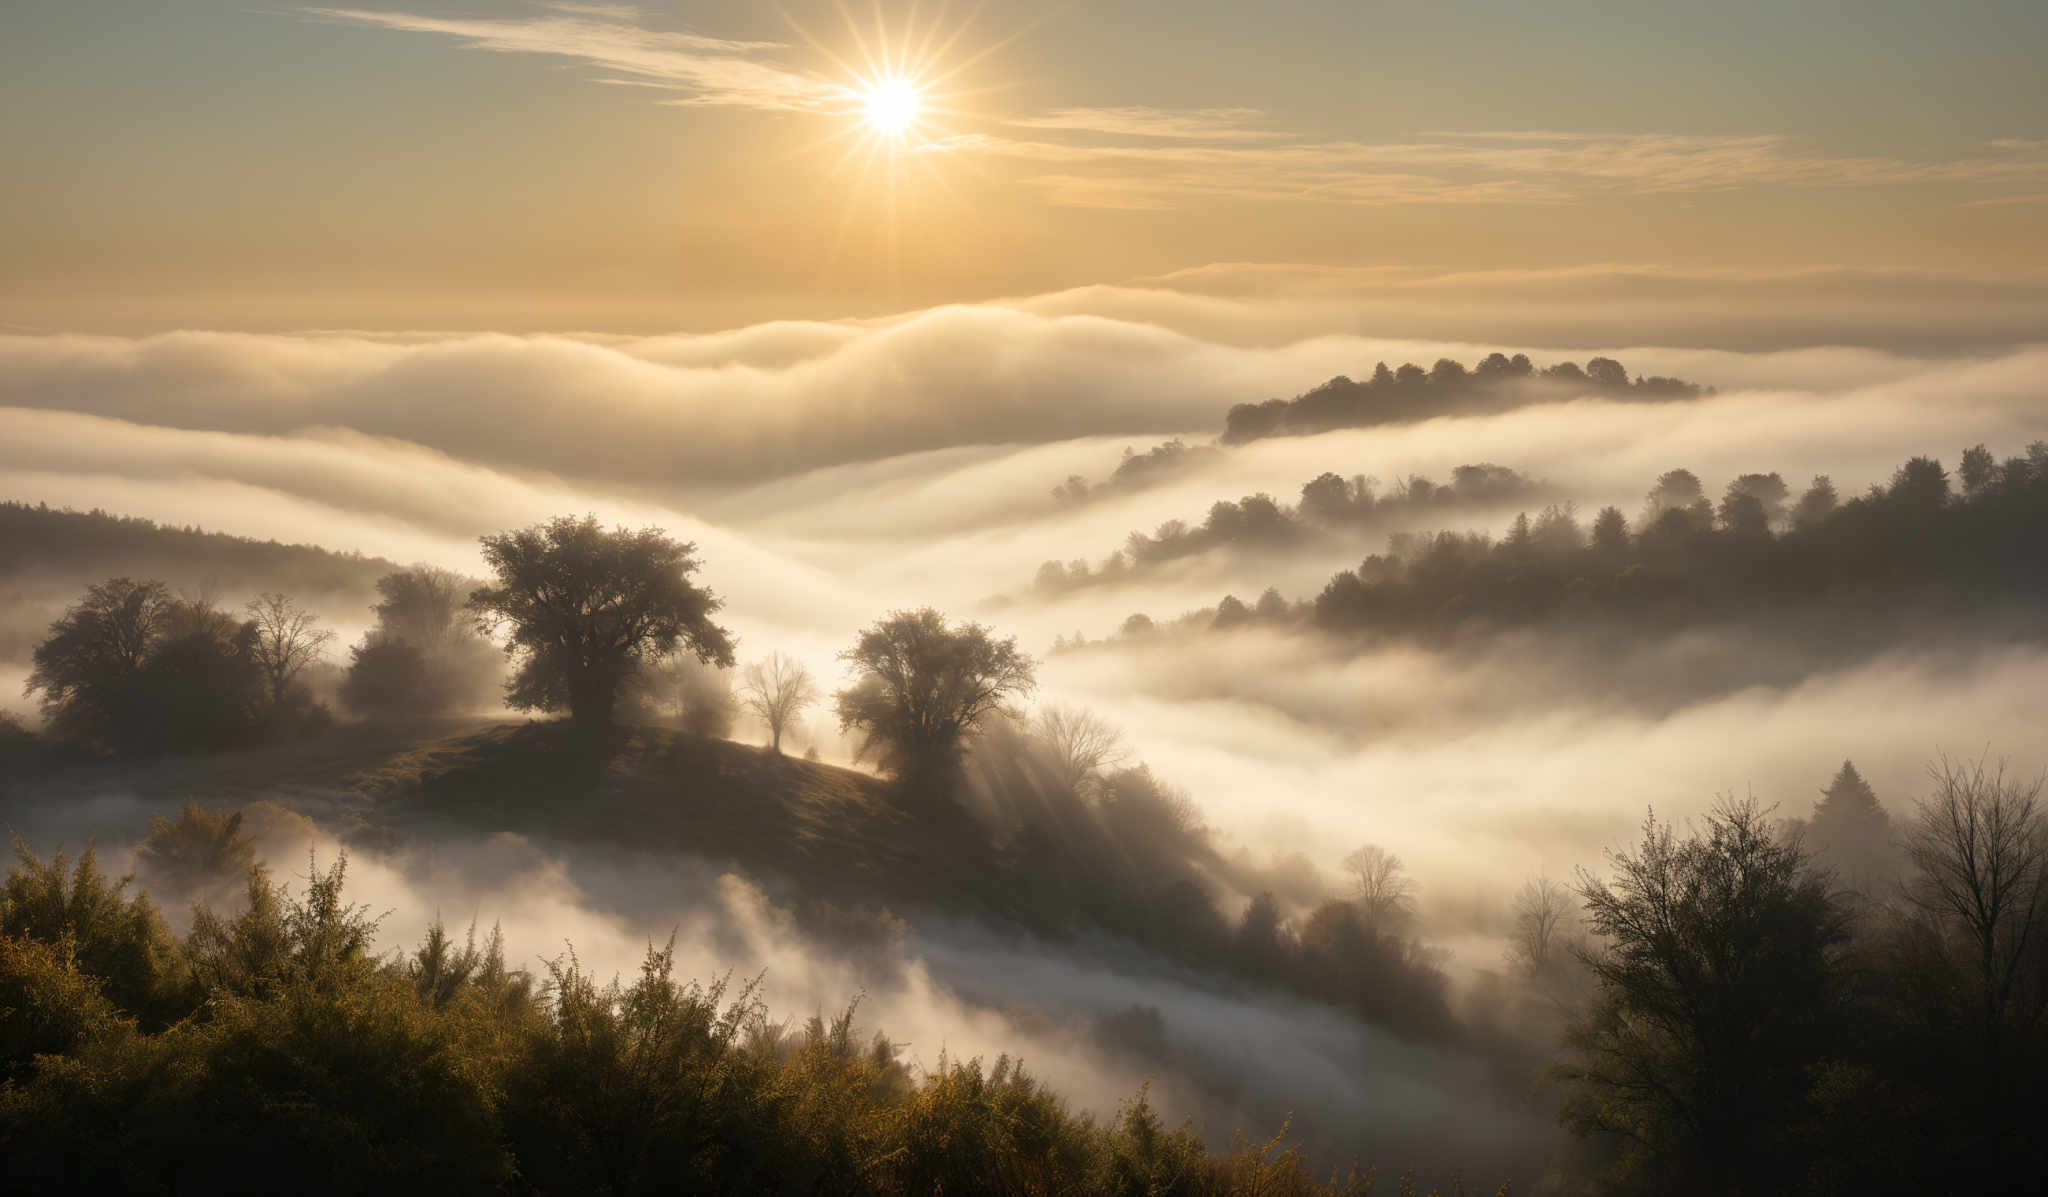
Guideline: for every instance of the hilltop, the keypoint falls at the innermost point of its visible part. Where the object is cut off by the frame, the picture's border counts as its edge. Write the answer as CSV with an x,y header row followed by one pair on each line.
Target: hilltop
x,y
841,833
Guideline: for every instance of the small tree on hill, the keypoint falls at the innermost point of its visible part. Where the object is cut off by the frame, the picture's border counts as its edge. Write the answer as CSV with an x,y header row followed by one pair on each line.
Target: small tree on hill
x,y
587,607
777,690
286,642
922,689
1081,742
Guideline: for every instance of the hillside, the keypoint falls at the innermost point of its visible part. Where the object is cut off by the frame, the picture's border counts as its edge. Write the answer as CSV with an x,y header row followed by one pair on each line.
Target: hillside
x,y
838,833
47,555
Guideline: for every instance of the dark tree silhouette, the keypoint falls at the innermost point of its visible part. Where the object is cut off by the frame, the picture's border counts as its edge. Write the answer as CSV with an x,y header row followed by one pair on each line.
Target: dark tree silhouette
x,y
922,689
86,669
1979,844
1817,504
131,671
587,607
1714,965
1851,833
286,642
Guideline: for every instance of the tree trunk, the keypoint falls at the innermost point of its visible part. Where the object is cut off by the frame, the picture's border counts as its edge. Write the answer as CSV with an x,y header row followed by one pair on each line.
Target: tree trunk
x,y
591,700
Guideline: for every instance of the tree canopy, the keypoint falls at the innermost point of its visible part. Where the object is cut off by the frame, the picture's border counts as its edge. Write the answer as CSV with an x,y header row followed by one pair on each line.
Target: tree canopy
x,y
921,688
587,607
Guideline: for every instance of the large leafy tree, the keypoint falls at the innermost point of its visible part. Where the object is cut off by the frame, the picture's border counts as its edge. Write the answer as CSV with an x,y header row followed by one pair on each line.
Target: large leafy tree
x,y
87,668
587,607
131,670
1715,961
922,689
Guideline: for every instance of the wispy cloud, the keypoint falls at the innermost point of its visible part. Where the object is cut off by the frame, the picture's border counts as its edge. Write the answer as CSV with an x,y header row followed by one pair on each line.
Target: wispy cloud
x,y
706,71
1140,157
1204,124
1468,168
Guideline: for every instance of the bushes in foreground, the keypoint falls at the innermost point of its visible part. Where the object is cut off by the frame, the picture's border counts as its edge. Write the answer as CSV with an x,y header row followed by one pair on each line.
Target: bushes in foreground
x,y
274,1043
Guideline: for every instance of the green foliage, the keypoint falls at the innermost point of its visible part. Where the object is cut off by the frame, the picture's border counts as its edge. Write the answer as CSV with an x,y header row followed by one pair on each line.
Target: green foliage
x,y
196,851
48,1006
312,1063
131,671
586,608
922,689
114,936
278,940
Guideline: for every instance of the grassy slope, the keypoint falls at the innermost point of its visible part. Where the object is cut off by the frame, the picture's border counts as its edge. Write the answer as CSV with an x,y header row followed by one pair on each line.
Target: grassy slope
x,y
841,833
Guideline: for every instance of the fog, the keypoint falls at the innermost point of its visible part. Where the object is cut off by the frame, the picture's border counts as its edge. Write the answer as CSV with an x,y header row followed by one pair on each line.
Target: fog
x,y
831,472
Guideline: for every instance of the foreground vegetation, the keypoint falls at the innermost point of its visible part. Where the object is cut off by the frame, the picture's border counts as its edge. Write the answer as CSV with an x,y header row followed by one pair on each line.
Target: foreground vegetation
x,y
275,1043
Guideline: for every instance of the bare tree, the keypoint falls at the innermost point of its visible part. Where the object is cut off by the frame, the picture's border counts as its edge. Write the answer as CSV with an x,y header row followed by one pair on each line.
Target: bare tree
x,y
1543,924
1980,850
777,690
1083,744
1386,894
286,641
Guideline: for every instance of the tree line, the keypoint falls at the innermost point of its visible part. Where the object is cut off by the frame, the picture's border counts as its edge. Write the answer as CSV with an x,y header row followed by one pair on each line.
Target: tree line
x,y
1331,505
1918,545
1446,388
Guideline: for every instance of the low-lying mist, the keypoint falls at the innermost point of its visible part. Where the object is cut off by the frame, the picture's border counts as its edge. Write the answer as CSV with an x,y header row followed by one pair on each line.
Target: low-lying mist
x,y
830,473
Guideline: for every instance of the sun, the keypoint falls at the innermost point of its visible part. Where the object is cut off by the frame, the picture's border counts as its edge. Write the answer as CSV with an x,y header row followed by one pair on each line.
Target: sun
x,y
891,105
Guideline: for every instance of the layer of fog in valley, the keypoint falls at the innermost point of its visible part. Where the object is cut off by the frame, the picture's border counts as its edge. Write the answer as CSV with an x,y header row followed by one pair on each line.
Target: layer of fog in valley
x,y
831,473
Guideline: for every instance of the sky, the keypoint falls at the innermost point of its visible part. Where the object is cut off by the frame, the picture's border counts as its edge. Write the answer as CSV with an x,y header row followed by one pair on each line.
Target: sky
x,y
518,165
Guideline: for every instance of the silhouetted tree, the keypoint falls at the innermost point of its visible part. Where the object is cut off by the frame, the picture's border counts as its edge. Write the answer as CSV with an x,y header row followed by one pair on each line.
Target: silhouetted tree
x,y
393,679
777,690
1817,504
130,670
1921,484
87,667
1979,845
1977,471
1769,491
922,689
1080,743
1385,892
1544,918
1675,490
586,607
1606,372
1610,532
286,642
1851,833
1261,940
1716,992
